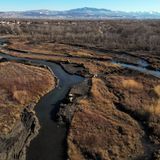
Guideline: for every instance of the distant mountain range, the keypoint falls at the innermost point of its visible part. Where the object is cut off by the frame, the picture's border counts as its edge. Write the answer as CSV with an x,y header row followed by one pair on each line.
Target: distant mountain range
x,y
80,13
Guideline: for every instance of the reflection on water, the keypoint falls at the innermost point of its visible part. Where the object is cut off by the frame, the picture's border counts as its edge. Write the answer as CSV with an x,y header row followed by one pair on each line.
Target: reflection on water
x,y
140,69
142,63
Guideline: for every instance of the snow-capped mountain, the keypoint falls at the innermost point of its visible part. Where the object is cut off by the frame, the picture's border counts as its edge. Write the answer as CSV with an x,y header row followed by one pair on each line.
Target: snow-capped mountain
x,y
81,13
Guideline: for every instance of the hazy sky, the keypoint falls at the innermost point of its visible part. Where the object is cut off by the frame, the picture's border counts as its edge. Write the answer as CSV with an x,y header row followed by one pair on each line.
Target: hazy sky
x,y
123,5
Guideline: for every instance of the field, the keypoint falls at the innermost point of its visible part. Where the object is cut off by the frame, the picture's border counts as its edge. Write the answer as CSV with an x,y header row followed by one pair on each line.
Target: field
x,y
20,86
115,114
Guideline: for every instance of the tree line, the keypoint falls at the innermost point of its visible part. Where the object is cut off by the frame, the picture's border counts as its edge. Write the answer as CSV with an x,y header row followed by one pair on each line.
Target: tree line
x,y
108,34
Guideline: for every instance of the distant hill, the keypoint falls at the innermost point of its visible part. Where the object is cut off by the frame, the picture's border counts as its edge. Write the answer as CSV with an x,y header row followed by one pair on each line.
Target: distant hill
x,y
81,13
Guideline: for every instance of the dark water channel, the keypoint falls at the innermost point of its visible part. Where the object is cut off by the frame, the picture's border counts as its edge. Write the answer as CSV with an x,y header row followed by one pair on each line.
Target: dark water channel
x,y
50,142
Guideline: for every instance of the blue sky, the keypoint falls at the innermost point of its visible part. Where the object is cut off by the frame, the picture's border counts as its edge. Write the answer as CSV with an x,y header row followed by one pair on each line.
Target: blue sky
x,y
122,5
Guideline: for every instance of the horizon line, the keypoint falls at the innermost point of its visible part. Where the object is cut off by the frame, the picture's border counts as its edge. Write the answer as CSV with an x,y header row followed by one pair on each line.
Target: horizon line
x,y
77,8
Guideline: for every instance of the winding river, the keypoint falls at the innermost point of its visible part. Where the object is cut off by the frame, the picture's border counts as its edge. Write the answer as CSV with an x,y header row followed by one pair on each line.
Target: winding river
x,y
50,143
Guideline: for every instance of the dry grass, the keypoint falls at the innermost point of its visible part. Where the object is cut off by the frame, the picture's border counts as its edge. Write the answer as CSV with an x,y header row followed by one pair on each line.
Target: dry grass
x,y
155,107
45,48
157,89
103,131
98,126
20,96
60,53
131,83
74,152
53,49
20,85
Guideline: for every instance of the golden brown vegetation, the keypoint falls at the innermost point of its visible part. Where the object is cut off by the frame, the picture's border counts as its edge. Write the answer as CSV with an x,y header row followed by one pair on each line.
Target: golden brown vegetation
x,y
20,85
100,131
155,107
137,94
130,83
108,123
157,89
52,49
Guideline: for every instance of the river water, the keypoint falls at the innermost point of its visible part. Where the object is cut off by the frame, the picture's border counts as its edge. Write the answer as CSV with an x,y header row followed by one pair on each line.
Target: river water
x,y
50,144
